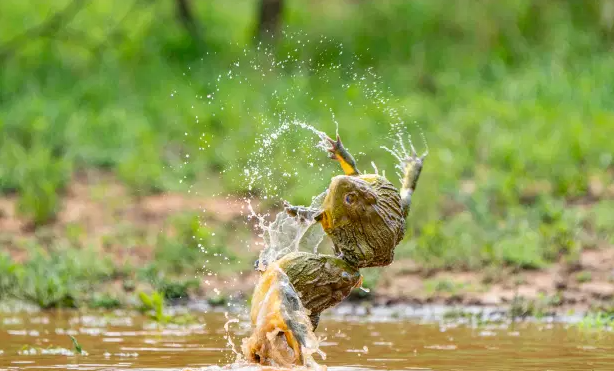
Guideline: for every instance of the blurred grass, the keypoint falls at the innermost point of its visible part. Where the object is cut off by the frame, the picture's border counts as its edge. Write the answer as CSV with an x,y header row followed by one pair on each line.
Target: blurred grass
x,y
54,278
63,271
515,100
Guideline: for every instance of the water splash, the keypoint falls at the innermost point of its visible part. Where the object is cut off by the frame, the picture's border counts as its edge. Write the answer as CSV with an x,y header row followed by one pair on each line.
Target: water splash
x,y
260,169
287,234
283,334
401,154
228,337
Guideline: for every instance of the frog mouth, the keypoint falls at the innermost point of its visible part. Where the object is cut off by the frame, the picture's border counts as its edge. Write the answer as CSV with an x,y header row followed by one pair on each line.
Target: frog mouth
x,y
324,218
338,185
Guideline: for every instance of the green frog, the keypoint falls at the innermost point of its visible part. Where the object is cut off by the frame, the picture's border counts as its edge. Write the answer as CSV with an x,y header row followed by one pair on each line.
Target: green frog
x,y
365,217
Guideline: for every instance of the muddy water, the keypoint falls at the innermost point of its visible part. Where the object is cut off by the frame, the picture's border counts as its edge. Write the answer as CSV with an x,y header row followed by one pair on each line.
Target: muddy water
x,y
121,340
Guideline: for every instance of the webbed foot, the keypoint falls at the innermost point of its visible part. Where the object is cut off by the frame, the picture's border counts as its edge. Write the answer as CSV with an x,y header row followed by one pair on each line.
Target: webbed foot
x,y
339,153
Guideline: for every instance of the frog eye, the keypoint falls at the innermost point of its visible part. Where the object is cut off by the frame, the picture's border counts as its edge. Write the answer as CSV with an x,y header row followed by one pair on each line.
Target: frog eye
x,y
350,198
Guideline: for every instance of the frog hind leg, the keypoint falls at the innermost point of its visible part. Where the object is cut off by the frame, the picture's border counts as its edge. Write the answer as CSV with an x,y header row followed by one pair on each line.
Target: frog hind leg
x,y
339,153
321,281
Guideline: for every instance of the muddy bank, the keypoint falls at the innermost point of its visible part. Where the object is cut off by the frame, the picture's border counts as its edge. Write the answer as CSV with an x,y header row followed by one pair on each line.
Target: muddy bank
x,y
188,312
585,285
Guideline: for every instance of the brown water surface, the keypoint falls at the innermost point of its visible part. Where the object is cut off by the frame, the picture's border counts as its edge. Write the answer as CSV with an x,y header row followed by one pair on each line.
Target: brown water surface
x,y
120,340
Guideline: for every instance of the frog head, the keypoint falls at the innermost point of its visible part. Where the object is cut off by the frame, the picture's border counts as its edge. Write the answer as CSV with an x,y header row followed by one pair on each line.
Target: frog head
x,y
364,218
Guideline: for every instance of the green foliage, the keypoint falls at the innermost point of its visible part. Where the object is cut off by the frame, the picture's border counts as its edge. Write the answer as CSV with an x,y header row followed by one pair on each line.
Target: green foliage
x,y
527,237
142,170
173,256
217,300
104,301
56,277
602,220
154,305
129,108
191,247
521,308
9,272
38,175
175,290
514,99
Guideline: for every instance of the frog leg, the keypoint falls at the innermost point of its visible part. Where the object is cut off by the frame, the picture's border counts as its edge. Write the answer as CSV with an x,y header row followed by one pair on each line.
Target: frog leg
x,y
339,153
412,166
306,214
321,281
303,213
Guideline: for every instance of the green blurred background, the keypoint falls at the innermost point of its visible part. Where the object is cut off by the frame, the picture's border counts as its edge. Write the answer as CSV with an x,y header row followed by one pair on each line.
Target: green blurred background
x,y
515,100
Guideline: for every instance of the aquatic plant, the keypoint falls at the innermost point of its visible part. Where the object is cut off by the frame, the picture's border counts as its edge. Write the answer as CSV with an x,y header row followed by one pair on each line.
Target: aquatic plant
x,y
28,350
153,304
77,346
597,321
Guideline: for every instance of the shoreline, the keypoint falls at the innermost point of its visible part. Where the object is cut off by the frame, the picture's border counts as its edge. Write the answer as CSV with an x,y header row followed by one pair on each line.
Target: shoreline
x,y
86,259
361,311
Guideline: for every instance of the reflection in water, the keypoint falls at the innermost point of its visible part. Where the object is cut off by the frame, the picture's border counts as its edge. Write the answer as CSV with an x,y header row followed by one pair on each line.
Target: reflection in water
x,y
354,345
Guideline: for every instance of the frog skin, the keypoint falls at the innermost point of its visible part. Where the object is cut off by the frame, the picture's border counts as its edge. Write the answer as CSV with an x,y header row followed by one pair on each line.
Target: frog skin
x,y
321,281
364,215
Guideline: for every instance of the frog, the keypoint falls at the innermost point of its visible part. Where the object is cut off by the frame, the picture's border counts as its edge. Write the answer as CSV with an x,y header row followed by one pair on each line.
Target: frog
x,y
365,217
365,214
